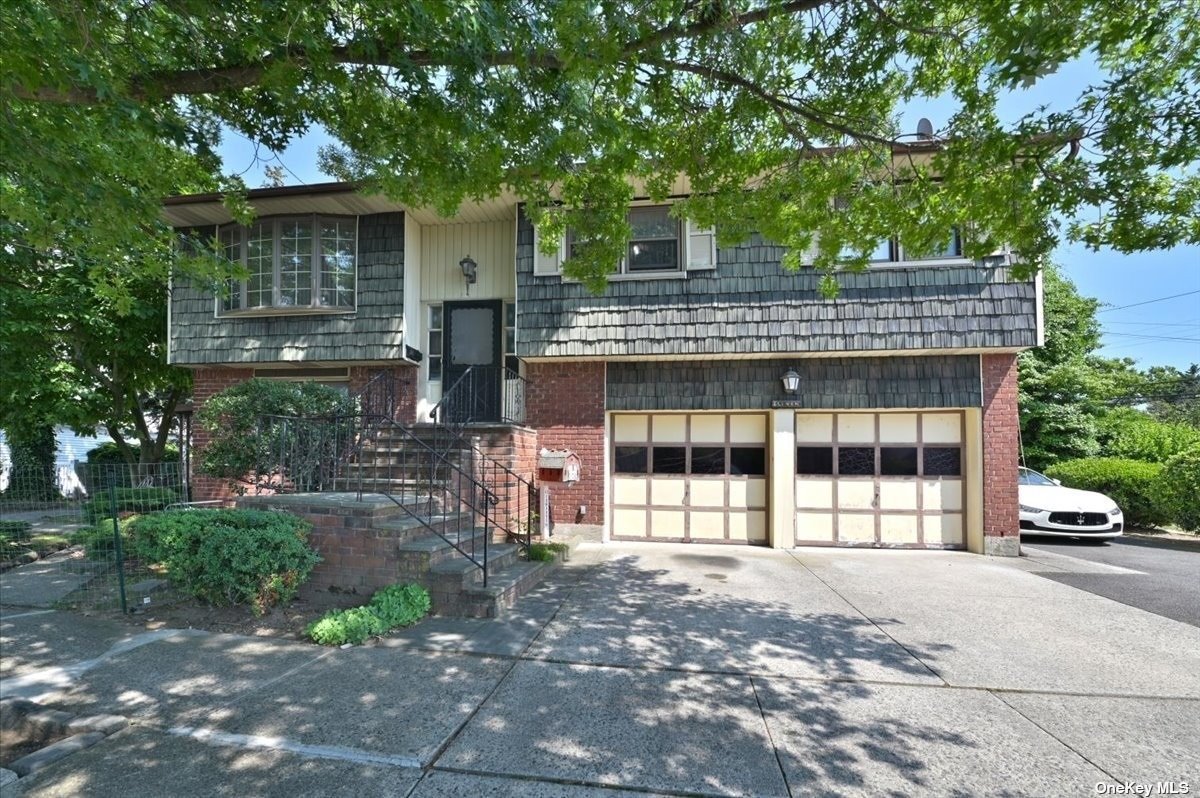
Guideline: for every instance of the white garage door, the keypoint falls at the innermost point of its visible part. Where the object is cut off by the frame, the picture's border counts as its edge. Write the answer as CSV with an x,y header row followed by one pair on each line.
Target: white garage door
x,y
698,477
880,479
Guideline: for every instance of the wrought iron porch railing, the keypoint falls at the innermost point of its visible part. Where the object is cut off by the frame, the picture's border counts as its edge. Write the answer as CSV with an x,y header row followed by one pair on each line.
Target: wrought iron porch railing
x,y
451,487
483,394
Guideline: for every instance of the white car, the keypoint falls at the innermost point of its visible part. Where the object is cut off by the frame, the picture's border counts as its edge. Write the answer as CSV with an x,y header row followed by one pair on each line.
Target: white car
x,y
1047,508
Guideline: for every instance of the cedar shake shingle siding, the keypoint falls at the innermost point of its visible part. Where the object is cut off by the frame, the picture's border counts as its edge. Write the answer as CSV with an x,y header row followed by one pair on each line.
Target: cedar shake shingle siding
x,y
373,332
930,381
748,304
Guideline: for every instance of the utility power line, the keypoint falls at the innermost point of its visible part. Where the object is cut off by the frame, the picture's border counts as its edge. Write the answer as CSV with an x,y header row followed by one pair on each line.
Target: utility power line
x,y
1149,301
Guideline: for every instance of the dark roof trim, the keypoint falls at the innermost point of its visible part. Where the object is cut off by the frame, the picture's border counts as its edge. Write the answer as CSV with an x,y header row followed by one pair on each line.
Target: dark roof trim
x,y
266,193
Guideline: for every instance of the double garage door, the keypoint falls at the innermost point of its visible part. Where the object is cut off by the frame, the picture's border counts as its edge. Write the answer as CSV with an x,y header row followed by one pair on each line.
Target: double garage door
x,y
683,478
861,478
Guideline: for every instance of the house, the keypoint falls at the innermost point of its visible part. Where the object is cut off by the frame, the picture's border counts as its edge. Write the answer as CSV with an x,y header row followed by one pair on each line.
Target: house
x,y
709,395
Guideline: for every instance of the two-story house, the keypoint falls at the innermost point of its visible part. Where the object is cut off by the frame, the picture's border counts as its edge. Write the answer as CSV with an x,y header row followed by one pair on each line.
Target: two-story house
x,y
710,395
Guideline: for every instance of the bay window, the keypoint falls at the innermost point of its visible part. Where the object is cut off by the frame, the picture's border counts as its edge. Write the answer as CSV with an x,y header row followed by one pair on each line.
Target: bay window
x,y
303,263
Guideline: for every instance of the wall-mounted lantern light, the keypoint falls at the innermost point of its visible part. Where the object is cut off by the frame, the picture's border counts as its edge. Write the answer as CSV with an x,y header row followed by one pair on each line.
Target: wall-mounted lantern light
x,y
470,271
791,382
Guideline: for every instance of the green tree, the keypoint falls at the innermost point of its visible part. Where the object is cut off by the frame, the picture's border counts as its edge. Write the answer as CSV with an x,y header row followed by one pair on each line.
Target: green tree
x,y
74,356
32,449
1065,388
110,108
1172,395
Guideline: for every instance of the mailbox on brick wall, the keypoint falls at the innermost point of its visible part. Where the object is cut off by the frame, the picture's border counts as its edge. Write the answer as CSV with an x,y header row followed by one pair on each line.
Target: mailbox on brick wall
x,y
558,466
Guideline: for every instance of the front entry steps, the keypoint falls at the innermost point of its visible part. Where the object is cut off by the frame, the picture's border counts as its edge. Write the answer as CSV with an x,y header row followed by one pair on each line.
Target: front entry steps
x,y
369,543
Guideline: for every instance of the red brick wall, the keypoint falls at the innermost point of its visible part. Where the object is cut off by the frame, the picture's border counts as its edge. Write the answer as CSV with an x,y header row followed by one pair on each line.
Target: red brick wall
x,y
565,404
1001,446
205,383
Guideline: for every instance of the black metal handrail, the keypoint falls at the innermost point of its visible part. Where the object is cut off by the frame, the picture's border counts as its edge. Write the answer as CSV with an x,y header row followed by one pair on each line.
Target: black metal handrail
x,y
483,394
462,503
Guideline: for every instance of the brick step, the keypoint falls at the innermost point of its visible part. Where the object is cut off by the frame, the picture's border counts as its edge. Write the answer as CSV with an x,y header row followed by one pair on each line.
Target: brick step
x,y
407,527
504,587
459,572
419,554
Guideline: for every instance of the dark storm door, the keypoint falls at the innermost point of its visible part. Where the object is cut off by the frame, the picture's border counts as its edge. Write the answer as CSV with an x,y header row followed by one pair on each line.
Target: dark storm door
x,y
475,335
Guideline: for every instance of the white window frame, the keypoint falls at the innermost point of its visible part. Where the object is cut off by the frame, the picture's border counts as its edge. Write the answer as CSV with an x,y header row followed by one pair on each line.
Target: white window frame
x,y
238,287
429,331
697,251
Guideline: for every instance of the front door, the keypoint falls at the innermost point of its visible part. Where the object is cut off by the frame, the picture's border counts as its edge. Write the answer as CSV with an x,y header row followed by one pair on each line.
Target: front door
x,y
475,338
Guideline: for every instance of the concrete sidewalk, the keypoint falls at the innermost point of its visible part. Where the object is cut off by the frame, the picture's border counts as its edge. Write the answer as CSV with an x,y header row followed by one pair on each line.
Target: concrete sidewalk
x,y
652,669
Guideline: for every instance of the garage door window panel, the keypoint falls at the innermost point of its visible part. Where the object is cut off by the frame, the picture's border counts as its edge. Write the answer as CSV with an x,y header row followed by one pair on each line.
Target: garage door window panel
x,y
631,460
942,461
747,461
669,460
814,460
898,461
708,460
856,461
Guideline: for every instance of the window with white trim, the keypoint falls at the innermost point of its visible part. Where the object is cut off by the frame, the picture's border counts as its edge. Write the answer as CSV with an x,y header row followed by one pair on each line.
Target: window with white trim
x,y
297,263
658,245
434,350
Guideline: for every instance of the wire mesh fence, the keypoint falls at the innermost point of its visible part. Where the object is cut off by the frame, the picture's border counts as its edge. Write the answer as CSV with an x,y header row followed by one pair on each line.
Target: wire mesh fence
x,y
74,545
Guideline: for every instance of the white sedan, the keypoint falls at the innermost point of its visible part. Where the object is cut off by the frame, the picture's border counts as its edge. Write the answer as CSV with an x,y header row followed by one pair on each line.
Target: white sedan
x,y
1047,508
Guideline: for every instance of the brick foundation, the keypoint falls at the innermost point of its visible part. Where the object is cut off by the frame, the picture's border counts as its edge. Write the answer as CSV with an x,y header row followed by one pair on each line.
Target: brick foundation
x,y
1001,455
565,404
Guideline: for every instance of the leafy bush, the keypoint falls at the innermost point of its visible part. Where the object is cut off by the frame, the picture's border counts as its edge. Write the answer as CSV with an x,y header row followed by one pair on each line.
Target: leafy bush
x,y
97,539
108,453
1133,435
229,556
244,439
1179,487
546,552
15,531
390,608
1132,484
128,500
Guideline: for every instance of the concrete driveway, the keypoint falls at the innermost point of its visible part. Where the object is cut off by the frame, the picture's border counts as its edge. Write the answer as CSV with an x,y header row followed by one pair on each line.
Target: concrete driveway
x,y
696,670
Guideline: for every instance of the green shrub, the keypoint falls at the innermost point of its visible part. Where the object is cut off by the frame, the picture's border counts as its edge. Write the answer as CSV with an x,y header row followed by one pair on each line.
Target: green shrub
x,y
244,439
1133,435
128,500
546,552
229,556
108,453
390,608
1179,487
15,531
98,543
1132,484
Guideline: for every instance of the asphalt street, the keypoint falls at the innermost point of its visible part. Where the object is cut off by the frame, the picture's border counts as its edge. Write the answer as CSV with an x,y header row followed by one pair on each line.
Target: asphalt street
x,y
1168,582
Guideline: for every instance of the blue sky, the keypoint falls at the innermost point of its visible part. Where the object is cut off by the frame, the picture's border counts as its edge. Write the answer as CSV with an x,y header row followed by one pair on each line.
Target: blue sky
x,y
1163,332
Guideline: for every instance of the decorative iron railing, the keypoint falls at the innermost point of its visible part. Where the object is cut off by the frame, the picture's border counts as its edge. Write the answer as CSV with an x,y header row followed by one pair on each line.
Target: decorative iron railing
x,y
449,485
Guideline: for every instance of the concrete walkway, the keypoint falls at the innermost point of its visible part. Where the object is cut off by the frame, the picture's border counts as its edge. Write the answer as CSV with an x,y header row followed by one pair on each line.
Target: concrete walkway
x,y
654,669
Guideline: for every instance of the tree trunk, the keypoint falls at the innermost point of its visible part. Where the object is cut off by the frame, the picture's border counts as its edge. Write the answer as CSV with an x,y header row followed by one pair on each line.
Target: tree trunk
x,y
32,478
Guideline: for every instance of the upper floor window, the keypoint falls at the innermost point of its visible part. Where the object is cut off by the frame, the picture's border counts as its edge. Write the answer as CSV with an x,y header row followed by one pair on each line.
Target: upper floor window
x,y
294,263
893,251
654,242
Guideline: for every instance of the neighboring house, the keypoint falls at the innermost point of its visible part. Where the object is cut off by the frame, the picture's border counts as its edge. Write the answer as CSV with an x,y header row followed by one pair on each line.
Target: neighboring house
x,y
71,448
901,429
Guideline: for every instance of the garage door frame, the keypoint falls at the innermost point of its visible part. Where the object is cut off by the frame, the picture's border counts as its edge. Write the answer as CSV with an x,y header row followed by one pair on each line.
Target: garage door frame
x,y
727,480
877,479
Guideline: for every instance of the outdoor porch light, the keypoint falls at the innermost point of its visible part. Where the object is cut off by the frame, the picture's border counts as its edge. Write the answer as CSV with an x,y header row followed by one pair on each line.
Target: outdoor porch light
x,y
791,381
470,271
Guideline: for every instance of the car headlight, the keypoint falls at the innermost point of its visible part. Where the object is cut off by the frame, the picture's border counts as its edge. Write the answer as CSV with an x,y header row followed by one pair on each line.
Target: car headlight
x,y
1114,512
1025,508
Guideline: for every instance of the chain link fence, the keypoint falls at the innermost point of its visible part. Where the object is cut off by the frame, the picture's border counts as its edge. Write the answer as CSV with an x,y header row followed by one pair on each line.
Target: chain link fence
x,y
71,545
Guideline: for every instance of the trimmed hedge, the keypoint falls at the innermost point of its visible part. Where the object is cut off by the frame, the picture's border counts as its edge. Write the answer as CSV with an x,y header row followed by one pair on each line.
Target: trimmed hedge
x,y
16,531
1179,487
1132,484
98,543
229,556
108,452
128,500
390,608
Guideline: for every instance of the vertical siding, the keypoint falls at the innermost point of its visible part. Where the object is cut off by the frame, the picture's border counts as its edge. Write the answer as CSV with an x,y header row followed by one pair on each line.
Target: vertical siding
x,y
491,244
